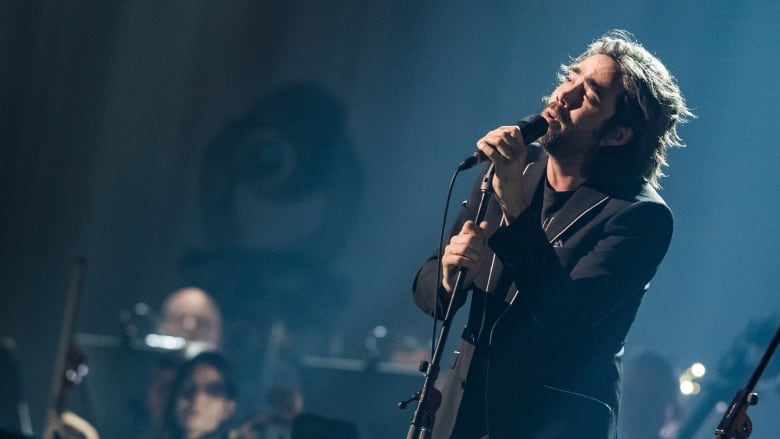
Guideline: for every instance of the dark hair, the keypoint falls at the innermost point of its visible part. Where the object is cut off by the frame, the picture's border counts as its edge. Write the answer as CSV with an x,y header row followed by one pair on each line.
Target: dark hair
x,y
651,105
214,359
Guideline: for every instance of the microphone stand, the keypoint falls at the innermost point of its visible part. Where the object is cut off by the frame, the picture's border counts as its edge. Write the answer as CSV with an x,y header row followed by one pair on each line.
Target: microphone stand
x,y
736,423
429,398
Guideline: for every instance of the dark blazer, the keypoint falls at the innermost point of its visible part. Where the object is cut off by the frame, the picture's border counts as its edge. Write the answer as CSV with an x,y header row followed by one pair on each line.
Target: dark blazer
x,y
541,351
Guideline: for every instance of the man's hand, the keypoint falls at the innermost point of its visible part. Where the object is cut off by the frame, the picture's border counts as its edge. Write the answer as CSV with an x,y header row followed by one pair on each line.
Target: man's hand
x,y
504,146
467,249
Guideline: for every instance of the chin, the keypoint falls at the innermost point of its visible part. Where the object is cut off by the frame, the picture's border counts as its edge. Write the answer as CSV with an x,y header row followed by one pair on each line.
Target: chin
x,y
551,142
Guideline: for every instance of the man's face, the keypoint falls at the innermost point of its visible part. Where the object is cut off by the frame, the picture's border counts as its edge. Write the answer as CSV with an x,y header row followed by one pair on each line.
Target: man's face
x,y
579,108
202,404
192,315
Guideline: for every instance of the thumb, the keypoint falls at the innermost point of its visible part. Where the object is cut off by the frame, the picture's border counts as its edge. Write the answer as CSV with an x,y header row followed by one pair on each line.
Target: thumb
x,y
469,228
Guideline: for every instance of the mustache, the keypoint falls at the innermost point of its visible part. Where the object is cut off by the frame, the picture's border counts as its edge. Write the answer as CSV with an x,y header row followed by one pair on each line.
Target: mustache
x,y
557,111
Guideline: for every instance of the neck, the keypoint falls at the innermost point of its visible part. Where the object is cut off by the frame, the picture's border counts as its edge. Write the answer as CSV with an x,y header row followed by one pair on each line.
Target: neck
x,y
564,177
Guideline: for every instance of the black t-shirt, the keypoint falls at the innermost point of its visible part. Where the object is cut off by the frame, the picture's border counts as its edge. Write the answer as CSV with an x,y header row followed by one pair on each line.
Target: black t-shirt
x,y
547,202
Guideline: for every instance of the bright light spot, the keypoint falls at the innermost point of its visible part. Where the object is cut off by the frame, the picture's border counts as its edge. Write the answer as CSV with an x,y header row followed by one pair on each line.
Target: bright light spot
x,y
194,347
164,342
380,331
698,370
72,376
721,407
686,387
141,309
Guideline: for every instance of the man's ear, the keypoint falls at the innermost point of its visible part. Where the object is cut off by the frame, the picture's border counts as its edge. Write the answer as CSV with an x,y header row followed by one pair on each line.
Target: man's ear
x,y
618,136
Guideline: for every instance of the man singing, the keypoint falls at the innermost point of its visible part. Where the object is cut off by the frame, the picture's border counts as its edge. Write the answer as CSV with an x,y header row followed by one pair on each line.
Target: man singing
x,y
572,236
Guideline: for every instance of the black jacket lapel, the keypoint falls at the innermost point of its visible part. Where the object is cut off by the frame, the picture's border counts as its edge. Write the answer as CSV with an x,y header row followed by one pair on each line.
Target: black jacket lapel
x,y
582,201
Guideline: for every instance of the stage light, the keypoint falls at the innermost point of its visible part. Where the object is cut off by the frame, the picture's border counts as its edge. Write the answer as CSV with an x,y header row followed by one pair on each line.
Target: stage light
x,y
686,387
380,331
688,379
698,370
167,342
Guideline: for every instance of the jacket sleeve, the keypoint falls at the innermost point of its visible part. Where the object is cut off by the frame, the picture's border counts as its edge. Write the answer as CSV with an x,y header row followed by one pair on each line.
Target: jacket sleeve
x,y
614,269
425,283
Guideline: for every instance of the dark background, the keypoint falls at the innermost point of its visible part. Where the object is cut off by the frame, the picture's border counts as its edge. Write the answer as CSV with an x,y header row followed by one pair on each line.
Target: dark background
x,y
113,117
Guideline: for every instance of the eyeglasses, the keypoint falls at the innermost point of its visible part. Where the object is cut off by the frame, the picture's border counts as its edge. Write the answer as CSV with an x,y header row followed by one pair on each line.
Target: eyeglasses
x,y
214,389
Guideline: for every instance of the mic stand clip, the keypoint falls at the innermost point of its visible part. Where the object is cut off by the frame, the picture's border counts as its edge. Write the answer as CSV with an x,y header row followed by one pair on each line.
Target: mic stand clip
x,y
736,423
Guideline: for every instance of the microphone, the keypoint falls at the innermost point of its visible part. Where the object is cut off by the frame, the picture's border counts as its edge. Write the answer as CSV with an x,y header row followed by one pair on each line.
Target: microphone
x,y
531,127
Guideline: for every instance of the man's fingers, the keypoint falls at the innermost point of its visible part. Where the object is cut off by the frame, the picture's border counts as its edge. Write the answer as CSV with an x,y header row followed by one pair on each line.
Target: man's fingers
x,y
503,142
471,229
461,252
465,250
467,227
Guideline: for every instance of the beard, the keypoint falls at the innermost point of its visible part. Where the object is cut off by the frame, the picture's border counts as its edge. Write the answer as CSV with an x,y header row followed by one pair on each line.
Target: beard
x,y
570,147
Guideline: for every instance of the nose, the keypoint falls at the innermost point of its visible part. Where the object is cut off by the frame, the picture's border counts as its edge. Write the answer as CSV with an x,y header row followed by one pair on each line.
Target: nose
x,y
570,94
189,323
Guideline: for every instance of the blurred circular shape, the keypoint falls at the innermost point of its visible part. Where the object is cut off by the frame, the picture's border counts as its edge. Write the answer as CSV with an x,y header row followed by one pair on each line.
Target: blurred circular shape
x,y
283,176
686,387
698,370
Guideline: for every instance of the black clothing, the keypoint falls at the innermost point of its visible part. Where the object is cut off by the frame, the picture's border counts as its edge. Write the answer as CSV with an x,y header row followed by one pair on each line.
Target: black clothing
x,y
540,355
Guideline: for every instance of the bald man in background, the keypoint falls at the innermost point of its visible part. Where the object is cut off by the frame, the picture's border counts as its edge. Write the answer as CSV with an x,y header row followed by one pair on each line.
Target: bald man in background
x,y
192,314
